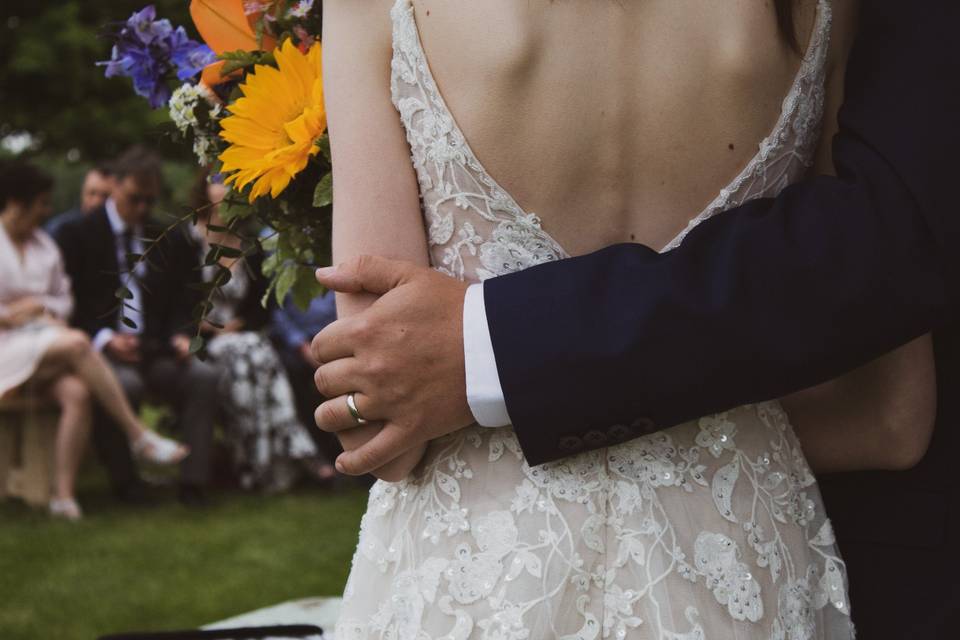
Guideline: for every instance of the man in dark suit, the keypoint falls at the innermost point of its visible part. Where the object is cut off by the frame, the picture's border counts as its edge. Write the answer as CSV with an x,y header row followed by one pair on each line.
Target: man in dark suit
x,y
94,191
147,340
831,274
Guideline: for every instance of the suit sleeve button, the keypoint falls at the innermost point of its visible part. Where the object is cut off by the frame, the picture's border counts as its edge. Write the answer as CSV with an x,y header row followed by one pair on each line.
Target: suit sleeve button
x,y
595,438
570,443
644,425
619,432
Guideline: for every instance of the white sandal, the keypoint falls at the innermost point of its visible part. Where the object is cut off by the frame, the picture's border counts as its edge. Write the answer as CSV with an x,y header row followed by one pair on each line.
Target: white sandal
x,y
152,447
66,508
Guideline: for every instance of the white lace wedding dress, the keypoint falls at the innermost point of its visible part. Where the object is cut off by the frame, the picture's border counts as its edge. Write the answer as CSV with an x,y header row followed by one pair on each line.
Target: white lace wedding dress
x,y
711,530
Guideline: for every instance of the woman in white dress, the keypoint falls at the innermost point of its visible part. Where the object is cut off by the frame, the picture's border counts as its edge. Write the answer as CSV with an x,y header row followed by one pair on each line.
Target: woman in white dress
x,y
38,348
613,121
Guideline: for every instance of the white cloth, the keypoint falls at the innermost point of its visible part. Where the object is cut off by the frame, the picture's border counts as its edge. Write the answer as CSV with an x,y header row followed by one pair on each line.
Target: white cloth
x,y
134,310
37,272
484,393
712,529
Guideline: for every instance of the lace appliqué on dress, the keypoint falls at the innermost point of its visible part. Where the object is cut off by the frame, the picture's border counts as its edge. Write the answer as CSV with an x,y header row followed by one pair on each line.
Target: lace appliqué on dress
x,y
710,530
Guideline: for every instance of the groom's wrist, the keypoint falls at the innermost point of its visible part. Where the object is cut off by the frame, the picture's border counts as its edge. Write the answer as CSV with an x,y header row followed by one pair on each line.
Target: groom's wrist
x,y
484,393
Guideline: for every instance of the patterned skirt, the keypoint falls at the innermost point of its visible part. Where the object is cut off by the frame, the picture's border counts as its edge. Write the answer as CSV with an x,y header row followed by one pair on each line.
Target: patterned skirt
x,y
266,437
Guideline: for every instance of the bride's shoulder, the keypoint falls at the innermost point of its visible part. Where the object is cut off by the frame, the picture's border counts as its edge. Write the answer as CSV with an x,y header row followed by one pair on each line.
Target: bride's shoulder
x,y
375,13
365,24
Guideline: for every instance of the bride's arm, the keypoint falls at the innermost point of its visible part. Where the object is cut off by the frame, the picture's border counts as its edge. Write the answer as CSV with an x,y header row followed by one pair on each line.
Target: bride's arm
x,y
880,416
376,204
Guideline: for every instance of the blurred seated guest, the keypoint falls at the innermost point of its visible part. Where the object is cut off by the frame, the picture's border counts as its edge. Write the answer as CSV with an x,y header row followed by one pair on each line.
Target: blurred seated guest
x,y
93,193
291,330
147,340
38,346
270,446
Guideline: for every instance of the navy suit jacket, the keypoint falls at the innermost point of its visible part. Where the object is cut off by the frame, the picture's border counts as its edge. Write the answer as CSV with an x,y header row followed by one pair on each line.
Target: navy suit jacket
x,y
90,258
777,296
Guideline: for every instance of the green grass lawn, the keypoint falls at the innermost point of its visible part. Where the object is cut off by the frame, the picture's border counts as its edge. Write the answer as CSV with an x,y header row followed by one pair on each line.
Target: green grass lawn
x,y
167,567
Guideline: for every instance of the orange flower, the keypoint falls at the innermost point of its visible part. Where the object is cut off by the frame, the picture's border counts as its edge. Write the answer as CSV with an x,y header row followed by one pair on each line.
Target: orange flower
x,y
225,26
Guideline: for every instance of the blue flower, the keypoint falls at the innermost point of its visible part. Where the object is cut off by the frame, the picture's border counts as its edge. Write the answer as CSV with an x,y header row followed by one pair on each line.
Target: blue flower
x,y
147,28
189,56
148,51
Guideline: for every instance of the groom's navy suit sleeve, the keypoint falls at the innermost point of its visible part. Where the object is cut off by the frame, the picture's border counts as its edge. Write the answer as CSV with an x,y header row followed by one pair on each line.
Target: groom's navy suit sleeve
x,y
763,300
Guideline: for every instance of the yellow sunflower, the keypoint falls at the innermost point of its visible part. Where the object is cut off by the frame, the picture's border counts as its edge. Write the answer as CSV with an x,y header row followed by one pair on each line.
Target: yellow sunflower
x,y
273,128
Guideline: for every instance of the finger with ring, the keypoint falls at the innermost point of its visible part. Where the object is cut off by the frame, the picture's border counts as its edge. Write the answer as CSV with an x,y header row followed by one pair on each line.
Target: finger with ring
x,y
334,415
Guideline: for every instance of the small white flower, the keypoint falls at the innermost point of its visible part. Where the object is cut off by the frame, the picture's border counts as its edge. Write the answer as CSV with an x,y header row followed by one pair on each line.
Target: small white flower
x,y
301,9
182,104
716,434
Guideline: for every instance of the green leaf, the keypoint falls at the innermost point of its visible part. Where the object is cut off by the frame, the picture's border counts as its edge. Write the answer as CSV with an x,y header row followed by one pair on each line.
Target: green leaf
x,y
285,281
265,300
306,288
324,144
211,257
201,309
239,55
224,276
323,194
196,345
235,60
235,209
128,322
123,293
270,264
270,242
226,252
233,65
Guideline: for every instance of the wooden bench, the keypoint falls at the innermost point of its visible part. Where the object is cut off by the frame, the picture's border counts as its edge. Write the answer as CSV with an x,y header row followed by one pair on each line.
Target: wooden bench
x,y
28,432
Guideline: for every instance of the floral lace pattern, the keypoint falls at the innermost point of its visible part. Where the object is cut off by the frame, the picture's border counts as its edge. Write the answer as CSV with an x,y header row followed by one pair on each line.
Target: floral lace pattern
x,y
709,530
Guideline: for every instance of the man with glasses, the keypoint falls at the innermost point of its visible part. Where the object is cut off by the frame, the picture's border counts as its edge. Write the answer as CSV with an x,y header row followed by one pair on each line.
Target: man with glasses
x,y
147,339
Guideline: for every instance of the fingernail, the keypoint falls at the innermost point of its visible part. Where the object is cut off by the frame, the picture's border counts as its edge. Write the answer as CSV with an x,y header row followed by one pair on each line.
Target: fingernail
x,y
324,272
339,466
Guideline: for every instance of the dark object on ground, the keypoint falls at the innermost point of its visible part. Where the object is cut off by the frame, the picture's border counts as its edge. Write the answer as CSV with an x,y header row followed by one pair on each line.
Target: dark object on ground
x,y
240,633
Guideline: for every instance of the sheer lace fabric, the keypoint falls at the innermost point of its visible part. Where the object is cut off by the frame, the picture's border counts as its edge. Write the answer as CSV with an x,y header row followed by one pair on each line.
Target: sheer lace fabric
x,y
710,530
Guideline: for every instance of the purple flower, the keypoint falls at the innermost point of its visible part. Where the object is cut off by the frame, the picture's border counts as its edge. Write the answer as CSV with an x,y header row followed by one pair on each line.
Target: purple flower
x,y
147,28
148,51
189,56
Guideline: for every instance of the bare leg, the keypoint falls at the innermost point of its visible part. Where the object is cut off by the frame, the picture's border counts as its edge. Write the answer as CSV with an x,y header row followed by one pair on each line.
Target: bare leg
x,y
73,431
72,352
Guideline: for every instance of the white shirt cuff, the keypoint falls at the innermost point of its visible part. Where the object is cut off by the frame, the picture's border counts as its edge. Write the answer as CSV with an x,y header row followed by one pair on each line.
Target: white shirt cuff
x,y
484,394
102,338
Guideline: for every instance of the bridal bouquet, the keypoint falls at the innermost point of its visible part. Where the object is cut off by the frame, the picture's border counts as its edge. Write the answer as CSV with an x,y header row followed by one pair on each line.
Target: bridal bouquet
x,y
249,100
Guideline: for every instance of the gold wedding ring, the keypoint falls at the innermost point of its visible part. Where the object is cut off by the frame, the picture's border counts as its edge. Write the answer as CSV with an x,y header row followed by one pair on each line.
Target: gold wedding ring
x,y
352,408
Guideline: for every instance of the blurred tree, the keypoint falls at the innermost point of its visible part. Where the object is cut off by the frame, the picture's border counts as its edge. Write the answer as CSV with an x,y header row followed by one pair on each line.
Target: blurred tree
x,y
51,88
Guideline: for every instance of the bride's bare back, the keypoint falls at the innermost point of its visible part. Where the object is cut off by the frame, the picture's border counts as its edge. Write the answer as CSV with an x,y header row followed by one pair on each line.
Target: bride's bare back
x,y
632,115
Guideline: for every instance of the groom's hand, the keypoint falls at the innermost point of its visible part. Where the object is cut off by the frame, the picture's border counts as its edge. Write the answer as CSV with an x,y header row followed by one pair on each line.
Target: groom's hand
x,y
402,357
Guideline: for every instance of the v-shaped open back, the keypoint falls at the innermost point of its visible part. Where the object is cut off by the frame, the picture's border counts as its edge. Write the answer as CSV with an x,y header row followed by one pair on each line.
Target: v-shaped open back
x,y
477,229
